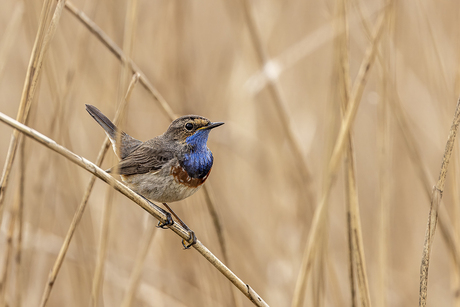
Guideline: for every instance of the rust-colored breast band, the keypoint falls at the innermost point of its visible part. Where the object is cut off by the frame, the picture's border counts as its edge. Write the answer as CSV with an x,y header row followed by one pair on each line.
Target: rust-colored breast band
x,y
181,176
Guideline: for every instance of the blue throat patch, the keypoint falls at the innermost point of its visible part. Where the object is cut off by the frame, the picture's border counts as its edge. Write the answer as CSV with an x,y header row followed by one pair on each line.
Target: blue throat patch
x,y
198,162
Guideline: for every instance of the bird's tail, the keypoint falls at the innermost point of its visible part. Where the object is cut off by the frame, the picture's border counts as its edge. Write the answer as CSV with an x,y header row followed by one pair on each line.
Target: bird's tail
x,y
128,143
105,123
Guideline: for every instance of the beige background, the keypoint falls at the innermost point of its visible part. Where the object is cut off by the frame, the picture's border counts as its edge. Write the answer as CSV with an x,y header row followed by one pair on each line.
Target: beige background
x,y
201,58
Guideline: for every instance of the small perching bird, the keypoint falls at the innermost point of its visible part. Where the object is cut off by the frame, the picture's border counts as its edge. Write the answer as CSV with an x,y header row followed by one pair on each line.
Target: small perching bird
x,y
167,168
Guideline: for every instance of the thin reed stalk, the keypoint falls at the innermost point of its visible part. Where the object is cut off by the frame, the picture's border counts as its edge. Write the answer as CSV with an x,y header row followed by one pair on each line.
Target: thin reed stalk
x,y
15,218
454,183
39,49
423,173
436,197
456,206
105,39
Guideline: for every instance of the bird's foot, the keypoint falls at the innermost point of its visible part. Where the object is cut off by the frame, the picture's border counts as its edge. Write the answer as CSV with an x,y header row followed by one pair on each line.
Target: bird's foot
x,y
168,222
161,224
192,241
185,243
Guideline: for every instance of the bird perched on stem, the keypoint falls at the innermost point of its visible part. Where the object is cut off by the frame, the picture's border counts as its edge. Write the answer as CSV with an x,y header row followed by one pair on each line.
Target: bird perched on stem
x,y
167,168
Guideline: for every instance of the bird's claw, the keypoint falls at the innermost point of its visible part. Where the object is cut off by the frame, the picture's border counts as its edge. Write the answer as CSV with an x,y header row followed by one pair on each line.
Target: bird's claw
x,y
192,241
169,222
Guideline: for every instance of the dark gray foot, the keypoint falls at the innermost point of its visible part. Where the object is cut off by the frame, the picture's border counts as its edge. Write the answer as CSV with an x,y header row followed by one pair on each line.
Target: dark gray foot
x,y
192,241
186,244
169,221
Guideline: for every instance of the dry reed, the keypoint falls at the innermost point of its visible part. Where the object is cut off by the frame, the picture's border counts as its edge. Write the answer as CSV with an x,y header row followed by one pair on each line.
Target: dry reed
x,y
436,197
42,40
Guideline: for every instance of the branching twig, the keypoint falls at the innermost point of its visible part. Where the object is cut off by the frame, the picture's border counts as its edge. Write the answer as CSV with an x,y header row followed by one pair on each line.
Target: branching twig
x,y
435,201
147,206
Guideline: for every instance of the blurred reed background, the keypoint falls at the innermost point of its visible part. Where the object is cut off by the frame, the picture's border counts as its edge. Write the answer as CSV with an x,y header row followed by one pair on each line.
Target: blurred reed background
x,y
270,158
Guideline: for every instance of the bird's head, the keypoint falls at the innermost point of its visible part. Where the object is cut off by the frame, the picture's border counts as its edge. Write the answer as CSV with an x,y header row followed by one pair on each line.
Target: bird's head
x,y
192,130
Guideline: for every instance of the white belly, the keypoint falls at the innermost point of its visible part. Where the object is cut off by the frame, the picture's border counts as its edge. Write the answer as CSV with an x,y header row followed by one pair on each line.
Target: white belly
x,y
164,189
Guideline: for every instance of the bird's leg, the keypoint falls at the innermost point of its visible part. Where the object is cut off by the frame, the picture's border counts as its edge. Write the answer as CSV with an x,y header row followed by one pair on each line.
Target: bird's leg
x,y
191,232
169,220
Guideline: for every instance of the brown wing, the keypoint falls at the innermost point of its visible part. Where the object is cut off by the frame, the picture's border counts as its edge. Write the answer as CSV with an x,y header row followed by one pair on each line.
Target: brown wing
x,y
144,159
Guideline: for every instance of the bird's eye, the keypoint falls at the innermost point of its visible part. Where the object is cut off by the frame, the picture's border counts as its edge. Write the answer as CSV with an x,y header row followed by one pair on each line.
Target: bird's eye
x,y
189,126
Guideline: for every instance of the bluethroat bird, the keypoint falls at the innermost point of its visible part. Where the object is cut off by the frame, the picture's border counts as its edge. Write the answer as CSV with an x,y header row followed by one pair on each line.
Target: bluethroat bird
x,y
167,168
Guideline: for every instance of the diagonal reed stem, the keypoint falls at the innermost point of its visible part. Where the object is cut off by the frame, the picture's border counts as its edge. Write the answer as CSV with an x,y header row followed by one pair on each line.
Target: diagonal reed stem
x,y
105,39
436,197
445,227
147,206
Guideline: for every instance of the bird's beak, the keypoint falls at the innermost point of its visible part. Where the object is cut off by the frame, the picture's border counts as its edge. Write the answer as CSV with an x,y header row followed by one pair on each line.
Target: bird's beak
x,y
211,126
